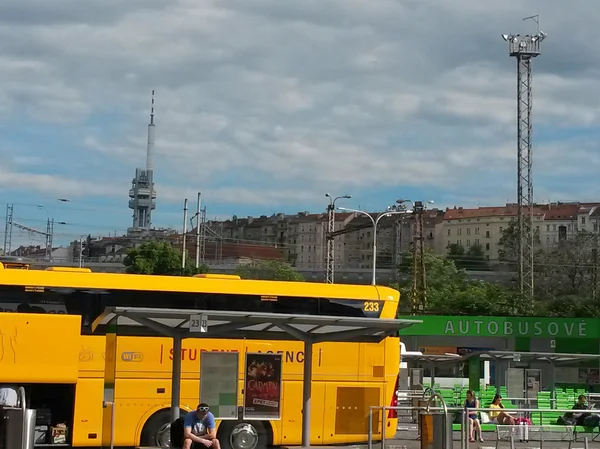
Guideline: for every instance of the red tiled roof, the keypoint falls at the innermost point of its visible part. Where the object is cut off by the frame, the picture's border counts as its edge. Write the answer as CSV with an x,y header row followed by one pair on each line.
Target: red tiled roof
x,y
561,211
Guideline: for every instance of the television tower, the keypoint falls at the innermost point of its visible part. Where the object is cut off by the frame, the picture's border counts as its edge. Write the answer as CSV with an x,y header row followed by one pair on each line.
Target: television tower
x,y
142,194
524,49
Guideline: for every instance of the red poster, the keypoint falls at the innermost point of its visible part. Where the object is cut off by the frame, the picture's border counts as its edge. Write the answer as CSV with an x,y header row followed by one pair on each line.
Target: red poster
x,y
262,388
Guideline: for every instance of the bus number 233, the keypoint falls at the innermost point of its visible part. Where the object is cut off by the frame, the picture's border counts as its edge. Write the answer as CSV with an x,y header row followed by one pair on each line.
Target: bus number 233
x,y
371,306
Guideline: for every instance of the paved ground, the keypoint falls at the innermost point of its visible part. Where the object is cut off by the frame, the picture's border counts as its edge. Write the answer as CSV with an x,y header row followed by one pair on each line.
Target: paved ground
x,y
407,439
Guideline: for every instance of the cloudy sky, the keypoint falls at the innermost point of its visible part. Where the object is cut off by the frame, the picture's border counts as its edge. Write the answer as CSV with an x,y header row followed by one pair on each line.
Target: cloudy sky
x,y
265,105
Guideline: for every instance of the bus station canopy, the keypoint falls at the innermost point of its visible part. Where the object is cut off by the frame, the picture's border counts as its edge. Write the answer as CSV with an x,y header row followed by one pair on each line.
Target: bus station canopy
x,y
433,358
250,325
557,358
193,323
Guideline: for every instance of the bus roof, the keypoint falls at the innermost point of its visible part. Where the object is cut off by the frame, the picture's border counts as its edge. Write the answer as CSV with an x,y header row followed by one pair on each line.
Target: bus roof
x,y
60,277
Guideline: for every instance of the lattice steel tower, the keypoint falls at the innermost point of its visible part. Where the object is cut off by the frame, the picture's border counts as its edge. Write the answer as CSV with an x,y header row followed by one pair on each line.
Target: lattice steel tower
x,y
329,237
524,49
419,276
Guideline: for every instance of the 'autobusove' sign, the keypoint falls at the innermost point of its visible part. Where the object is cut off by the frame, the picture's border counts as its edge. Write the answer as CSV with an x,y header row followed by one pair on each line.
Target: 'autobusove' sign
x,y
485,326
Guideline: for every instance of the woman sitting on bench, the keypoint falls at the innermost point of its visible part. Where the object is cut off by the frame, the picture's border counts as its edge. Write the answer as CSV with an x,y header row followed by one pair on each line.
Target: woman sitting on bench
x,y
500,417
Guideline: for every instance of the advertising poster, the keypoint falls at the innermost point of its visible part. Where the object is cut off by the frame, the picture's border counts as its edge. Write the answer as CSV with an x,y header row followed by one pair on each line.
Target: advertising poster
x,y
219,383
262,386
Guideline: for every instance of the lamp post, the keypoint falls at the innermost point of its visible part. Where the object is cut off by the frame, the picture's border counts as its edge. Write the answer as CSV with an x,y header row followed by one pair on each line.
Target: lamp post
x,y
330,262
391,211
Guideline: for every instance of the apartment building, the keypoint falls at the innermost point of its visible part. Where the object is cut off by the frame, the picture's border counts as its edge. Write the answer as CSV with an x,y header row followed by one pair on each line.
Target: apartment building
x,y
483,226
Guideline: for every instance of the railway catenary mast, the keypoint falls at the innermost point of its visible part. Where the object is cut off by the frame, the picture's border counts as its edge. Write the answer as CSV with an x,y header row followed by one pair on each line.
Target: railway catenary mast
x,y
524,49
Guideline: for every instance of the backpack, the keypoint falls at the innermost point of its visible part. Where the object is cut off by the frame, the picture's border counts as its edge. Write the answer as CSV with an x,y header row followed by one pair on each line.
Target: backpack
x,y
177,433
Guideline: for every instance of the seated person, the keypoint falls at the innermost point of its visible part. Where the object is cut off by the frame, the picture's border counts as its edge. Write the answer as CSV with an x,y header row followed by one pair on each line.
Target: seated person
x,y
500,417
200,429
581,419
474,425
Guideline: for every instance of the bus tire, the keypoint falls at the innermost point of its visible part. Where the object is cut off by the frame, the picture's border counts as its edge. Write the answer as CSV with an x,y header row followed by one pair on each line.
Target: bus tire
x,y
157,430
245,434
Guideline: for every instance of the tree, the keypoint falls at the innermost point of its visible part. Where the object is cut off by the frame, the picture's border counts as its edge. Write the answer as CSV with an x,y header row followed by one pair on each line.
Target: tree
x,y
568,270
159,258
472,260
451,292
508,245
270,270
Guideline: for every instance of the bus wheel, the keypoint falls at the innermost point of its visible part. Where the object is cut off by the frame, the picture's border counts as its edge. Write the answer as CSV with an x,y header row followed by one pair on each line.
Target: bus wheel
x,y
157,430
243,435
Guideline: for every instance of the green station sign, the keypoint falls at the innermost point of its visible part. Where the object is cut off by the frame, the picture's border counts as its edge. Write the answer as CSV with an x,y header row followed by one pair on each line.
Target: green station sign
x,y
489,326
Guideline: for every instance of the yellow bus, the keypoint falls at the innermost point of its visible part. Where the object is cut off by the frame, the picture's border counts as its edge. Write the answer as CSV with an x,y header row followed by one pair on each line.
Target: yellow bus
x,y
46,346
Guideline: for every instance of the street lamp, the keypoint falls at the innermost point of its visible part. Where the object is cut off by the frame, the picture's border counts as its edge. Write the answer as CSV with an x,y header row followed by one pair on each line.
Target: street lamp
x,y
375,222
402,201
330,262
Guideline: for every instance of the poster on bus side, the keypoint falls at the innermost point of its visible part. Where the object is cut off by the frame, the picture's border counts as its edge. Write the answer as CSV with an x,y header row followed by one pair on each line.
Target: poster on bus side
x,y
262,386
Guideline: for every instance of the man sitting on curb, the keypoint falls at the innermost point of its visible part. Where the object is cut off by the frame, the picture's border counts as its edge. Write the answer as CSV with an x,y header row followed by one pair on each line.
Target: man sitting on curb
x,y
199,428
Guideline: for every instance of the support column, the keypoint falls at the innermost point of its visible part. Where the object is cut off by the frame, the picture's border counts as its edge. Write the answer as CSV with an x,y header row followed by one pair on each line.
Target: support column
x,y
474,373
176,379
306,392
108,403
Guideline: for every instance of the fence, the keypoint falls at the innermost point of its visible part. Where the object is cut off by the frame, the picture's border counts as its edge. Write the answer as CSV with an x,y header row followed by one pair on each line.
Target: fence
x,y
463,414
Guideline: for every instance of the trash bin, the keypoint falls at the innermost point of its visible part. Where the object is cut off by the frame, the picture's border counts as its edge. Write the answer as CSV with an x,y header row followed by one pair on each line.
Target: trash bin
x,y
422,403
436,426
17,428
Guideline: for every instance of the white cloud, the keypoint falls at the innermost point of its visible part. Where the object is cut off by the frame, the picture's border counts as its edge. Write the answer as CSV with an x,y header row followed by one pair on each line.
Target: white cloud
x,y
274,102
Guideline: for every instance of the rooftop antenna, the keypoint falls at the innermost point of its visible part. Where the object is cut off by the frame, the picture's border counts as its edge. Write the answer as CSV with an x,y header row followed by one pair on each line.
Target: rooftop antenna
x,y
536,19
151,129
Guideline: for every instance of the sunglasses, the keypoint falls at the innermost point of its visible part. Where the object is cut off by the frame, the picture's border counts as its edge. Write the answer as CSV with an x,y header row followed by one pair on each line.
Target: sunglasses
x,y
202,409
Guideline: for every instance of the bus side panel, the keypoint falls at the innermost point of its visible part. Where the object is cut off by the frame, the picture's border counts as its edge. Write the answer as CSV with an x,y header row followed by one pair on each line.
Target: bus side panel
x,y
87,419
29,341
392,362
91,355
291,423
347,410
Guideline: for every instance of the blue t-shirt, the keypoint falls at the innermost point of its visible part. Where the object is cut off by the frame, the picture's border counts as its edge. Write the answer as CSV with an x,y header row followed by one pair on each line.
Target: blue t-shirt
x,y
199,426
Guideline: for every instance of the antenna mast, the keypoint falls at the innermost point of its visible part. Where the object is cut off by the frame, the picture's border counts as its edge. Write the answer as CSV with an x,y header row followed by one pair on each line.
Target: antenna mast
x,y
150,145
524,49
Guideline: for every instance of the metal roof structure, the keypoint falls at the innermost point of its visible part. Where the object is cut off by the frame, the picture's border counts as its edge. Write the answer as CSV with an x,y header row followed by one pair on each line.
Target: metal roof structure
x,y
557,358
433,358
310,329
251,325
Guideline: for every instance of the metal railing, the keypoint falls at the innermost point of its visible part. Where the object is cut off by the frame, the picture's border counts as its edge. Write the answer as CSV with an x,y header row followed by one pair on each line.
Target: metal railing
x,y
464,412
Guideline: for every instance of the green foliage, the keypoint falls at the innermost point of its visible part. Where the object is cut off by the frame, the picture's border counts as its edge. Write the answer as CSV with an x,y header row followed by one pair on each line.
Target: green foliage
x,y
472,259
509,244
566,276
159,258
450,291
270,270
566,281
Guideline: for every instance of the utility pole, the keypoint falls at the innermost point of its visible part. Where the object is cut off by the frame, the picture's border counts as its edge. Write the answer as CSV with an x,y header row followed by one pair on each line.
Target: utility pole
x,y
419,280
81,237
183,250
8,229
198,231
203,234
524,49
330,260
49,238
48,235
595,260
